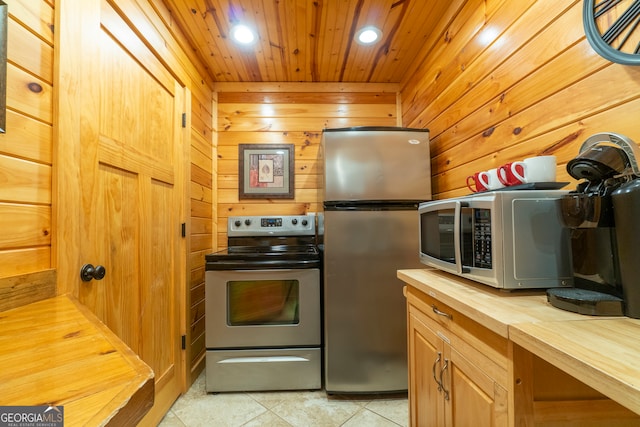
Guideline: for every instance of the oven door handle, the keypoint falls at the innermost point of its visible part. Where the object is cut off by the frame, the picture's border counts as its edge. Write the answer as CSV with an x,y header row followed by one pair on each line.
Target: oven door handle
x,y
265,359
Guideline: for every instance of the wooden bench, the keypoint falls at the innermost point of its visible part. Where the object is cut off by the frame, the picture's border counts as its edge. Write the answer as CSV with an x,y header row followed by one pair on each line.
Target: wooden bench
x,y
56,352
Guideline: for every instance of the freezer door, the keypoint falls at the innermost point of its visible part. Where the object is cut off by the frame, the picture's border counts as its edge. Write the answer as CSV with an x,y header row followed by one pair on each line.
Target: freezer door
x,y
365,312
376,165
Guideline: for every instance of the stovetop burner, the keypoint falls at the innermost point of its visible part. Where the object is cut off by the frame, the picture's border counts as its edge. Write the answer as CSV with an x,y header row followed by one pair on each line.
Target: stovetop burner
x,y
275,250
266,252
263,257
268,242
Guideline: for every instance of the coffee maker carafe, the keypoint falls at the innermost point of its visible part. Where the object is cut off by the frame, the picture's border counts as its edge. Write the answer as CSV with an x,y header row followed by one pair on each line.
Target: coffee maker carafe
x,y
603,214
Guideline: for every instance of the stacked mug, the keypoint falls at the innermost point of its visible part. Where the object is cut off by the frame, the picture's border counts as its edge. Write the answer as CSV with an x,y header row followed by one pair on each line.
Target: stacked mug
x,y
530,170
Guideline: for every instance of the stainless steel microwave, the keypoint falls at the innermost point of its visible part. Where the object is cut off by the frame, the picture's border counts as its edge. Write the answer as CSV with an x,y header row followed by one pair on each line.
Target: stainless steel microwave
x,y
506,239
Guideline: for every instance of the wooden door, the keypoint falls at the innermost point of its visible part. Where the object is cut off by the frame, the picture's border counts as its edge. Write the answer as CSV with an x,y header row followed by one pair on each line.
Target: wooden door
x,y
131,195
475,398
425,359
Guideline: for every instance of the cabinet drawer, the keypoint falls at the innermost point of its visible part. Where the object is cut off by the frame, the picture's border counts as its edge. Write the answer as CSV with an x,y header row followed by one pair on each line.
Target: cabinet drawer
x,y
462,331
431,307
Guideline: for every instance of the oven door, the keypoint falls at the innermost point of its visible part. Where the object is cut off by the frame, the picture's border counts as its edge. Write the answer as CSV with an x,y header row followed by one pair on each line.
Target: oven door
x,y
262,308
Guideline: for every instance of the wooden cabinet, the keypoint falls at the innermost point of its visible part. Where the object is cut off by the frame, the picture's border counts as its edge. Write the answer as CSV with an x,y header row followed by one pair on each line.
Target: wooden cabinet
x,y
451,381
480,356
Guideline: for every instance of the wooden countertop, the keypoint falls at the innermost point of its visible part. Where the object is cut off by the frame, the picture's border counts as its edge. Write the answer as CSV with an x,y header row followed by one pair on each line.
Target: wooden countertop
x,y
56,352
493,308
602,352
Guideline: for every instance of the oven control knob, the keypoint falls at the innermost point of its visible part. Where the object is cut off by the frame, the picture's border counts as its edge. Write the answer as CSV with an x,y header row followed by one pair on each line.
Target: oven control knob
x,y
238,223
304,222
294,221
247,222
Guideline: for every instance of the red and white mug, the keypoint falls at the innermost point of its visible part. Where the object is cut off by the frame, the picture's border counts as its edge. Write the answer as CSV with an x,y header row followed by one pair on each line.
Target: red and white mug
x,y
475,184
490,179
530,170
511,173
537,169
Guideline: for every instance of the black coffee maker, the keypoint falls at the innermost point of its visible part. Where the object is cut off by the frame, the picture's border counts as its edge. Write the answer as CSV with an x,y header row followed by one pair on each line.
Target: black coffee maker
x,y
603,214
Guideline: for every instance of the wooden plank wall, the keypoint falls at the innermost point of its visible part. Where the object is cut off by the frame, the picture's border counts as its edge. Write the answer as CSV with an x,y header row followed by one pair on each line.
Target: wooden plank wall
x,y
504,79
293,113
200,228
202,224
26,156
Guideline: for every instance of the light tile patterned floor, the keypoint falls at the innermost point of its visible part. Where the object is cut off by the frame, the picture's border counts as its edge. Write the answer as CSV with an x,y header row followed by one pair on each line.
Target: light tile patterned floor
x,y
284,409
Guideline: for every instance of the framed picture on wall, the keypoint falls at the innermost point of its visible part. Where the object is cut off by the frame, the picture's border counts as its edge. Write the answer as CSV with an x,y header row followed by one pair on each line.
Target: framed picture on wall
x,y
266,171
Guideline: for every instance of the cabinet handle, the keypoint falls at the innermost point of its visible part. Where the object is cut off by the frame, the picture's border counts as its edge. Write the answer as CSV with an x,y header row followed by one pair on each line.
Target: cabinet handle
x,y
444,368
441,313
433,371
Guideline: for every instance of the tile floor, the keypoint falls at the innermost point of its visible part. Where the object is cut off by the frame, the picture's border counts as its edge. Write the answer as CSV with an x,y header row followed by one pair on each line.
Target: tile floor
x,y
284,409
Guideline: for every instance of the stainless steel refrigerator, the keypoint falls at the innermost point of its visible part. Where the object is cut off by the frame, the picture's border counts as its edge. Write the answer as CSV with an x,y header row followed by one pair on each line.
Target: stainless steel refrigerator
x,y
373,180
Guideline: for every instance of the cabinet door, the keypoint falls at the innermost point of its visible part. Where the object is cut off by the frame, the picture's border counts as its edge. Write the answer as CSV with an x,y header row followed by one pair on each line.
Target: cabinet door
x,y
474,398
425,357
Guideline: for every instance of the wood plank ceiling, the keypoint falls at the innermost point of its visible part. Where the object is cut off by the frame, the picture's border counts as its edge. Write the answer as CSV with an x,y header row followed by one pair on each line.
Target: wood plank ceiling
x,y
308,40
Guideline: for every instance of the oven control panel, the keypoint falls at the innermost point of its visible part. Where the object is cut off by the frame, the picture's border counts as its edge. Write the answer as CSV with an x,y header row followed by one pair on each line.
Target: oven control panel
x,y
271,222
284,225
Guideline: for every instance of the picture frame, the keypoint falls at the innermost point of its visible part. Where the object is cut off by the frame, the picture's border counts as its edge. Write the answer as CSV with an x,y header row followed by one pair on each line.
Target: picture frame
x,y
266,171
3,65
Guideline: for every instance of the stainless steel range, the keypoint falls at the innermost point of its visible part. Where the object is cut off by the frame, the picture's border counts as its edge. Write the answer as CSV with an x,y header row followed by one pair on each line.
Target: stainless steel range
x,y
263,322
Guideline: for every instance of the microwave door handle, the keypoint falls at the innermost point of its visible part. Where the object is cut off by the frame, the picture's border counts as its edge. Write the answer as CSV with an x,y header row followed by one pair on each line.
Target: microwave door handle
x,y
462,269
456,237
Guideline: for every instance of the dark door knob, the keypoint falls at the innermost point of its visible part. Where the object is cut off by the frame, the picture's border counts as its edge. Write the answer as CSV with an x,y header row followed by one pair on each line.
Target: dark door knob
x,y
89,272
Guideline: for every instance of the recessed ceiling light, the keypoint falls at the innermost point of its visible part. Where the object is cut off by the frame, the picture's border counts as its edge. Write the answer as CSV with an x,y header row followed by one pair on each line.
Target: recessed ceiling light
x,y
242,34
368,35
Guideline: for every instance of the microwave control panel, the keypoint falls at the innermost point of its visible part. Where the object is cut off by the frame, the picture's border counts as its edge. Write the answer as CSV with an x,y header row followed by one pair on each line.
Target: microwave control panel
x,y
482,238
